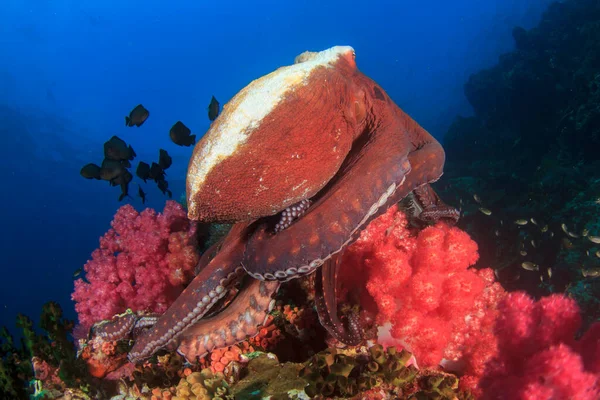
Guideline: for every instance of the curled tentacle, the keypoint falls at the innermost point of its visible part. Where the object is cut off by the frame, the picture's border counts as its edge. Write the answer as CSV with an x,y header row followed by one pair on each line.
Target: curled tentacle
x,y
123,326
144,323
118,327
348,332
432,208
207,288
241,319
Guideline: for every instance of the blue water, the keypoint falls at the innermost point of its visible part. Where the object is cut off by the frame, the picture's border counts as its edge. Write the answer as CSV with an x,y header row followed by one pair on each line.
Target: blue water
x,y
72,70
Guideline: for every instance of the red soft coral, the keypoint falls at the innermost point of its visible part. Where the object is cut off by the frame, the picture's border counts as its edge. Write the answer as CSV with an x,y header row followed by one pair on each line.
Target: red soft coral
x,y
504,346
538,356
420,283
143,263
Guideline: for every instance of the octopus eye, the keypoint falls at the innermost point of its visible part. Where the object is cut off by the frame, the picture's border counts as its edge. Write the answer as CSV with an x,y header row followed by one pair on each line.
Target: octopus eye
x,y
378,93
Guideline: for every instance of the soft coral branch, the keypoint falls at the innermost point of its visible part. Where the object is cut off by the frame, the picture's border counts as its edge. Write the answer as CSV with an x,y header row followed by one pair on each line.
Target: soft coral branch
x,y
143,263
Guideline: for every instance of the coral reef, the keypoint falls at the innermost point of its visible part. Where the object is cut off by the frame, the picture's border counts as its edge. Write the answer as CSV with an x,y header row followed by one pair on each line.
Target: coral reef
x,y
144,262
361,373
452,333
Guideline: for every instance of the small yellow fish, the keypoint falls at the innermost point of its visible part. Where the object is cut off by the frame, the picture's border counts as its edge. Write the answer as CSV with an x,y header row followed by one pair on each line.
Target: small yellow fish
x,y
545,229
523,253
549,272
521,222
77,273
497,232
590,273
585,232
594,239
533,221
529,266
551,234
533,243
501,223
541,278
565,230
476,198
485,211
598,254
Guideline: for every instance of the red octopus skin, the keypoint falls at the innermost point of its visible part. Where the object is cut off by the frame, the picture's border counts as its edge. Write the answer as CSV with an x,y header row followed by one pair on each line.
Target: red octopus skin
x,y
344,141
285,156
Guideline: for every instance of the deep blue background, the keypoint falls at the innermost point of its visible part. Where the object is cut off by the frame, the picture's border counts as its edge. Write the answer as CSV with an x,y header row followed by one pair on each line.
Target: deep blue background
x,y
71,70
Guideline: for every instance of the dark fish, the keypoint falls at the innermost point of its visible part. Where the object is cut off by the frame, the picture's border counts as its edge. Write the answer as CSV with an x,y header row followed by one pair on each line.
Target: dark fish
x,y
91,171
116,149
180,135
125,177
123,181
213,109
77,273
124,192
111,169
163,185
156,172
142,194
143,171
164,159
137,116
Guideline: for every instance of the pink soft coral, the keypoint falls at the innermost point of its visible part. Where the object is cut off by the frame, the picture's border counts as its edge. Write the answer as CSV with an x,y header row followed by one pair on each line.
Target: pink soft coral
x,y
143,263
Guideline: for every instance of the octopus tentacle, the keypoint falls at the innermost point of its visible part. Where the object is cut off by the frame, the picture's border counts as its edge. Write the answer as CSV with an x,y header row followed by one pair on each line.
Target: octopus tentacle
x,y
326,303
432,207
241,319
370,176
290,214
117,328
327,239
208,255
123,326
207,288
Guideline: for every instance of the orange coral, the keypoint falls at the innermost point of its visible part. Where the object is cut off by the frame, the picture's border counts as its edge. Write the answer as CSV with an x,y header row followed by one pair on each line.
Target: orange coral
x,y
298,317
108,348
101,357
161,394
268,336
220,358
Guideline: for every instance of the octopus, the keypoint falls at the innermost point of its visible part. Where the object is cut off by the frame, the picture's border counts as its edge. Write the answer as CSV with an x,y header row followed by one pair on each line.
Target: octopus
x,y
300,161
